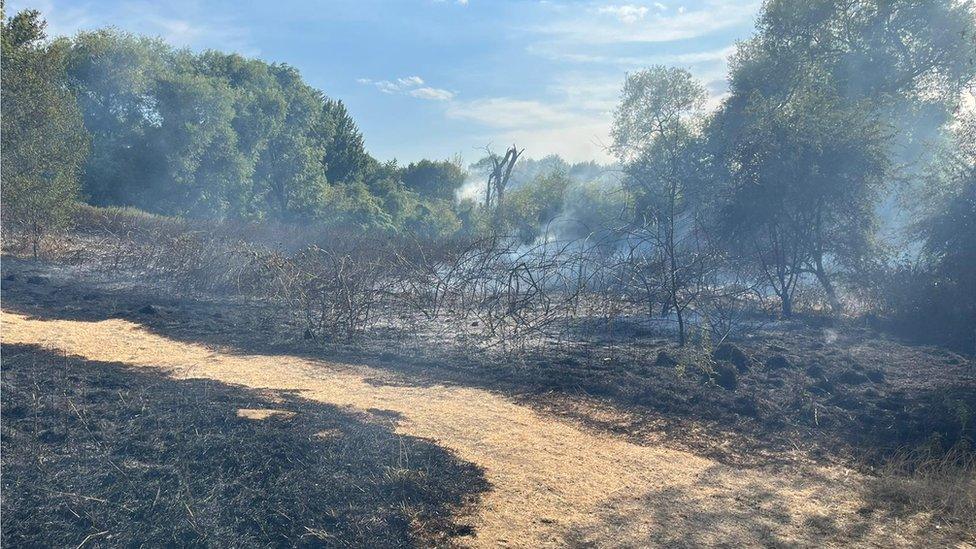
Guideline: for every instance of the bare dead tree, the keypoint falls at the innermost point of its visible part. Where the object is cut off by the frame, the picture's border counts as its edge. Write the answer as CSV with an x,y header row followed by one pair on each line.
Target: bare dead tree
x,y
498,177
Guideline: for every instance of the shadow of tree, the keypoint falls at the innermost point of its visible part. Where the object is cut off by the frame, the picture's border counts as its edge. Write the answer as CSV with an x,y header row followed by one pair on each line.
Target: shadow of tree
x,y
105,453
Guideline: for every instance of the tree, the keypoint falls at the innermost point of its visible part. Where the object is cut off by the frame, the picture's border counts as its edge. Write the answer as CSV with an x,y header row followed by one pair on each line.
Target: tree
x,y
655,131
113,75
44,142
944,308
432,179
532,206
820,99
345,158
803,183
289,173
205,174
205,135
498,170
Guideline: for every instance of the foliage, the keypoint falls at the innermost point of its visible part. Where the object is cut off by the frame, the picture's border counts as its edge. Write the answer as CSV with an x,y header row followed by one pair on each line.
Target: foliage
x,y
656,133
808,136
43,140
431,179
935,298
532,207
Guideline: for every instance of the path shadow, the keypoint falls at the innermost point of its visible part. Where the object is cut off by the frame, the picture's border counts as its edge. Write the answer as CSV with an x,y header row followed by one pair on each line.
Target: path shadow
x,y
126,457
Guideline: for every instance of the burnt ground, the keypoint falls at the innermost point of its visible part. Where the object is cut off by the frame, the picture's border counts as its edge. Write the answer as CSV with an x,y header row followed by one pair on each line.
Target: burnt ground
x,y
104,454
834,392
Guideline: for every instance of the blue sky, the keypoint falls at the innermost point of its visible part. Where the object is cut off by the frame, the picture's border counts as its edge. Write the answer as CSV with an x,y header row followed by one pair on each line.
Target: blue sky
x,y
435,78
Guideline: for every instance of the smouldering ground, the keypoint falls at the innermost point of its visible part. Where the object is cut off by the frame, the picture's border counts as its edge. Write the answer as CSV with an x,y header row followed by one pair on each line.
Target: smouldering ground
x,y
552,482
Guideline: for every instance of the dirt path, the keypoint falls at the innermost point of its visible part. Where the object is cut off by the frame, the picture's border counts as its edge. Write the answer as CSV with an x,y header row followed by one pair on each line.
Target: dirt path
x,y
553,482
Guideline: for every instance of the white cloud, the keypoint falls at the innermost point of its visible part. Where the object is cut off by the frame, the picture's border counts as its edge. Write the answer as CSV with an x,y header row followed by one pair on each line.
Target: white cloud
x,y
627,13
434,94
409,85
410,81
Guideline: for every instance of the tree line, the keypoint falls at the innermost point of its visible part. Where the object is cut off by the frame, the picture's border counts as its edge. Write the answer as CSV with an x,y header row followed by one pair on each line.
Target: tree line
x,y
201,135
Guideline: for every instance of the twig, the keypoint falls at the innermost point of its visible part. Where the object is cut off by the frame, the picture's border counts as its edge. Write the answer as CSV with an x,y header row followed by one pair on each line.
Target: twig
x,y
90,537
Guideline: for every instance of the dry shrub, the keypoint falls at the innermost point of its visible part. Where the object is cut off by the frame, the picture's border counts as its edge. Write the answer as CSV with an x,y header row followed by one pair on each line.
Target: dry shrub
x,y
333,290
338,284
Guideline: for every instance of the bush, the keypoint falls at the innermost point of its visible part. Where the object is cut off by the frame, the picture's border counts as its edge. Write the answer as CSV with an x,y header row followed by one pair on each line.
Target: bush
x,y
44,142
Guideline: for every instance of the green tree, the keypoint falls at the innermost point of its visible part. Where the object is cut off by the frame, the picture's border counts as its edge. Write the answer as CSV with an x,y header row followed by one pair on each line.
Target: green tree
x,y
290,173
820,101
345,157
433,179
532,207
804,182
113,75
44,143
205,173
655,131
946,304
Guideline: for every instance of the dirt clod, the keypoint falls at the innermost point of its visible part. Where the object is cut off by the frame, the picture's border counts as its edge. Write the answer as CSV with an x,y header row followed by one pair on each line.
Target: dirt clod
x,y
665,358
730,352
725,376
777,362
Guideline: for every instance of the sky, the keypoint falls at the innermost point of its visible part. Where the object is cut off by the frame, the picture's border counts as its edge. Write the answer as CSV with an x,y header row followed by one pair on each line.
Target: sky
x,y
438,78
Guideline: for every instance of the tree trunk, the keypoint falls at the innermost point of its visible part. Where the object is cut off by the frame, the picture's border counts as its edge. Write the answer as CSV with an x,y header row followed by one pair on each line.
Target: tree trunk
x,y
787,300
835,305
681,326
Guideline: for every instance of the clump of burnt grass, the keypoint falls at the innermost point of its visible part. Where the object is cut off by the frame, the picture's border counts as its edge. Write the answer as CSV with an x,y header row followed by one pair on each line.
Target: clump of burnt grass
x,y
97,453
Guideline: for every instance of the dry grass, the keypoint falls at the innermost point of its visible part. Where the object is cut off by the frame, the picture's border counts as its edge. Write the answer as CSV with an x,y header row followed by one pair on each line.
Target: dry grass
x,y
943,484
553,482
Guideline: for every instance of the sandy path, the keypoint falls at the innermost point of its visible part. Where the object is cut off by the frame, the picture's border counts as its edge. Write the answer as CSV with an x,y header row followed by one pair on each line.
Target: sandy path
x,y
553,482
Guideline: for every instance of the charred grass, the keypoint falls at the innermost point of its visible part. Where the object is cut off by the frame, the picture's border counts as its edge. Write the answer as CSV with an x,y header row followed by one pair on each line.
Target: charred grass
x,y
101,454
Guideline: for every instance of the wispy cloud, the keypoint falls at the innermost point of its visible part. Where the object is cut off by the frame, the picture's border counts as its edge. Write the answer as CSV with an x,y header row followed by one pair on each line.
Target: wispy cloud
x,y
632,61
627,13
574,131
433,94
508,113
409,85
633,23
189,29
